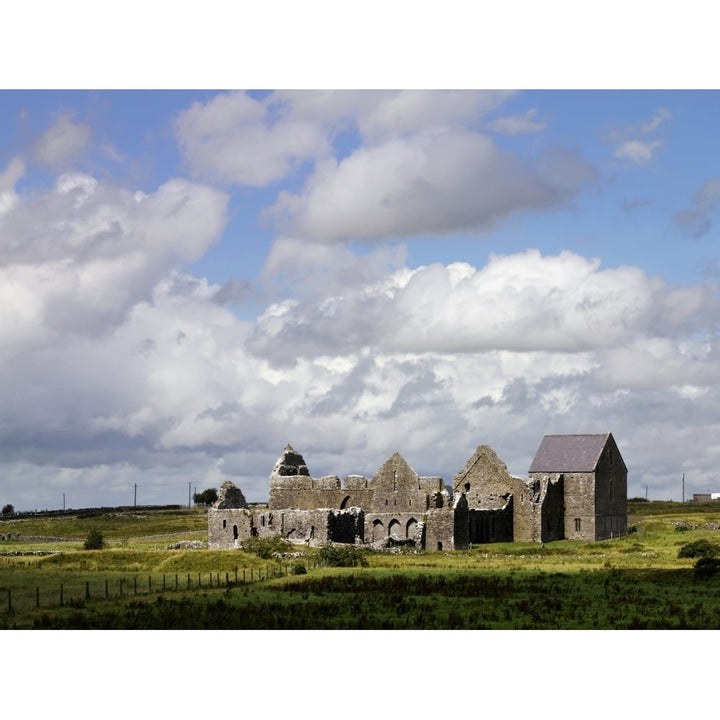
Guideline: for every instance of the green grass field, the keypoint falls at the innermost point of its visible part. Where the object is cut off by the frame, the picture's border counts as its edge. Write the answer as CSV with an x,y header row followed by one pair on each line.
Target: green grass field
x,y
634,582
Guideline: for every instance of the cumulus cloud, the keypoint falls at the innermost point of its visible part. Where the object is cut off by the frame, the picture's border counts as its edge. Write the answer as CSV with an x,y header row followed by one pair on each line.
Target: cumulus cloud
x,y
238,139
375,163
63,142
431,183
80,256
522,303
430,361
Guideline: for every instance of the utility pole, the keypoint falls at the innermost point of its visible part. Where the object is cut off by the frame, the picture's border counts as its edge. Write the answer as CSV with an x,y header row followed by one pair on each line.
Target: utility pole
x,y
63,502
683,487
189,481
646,491
135,496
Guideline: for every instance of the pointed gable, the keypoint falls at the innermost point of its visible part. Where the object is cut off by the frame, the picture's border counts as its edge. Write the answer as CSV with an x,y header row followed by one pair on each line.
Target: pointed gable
x,y
570,453
290,463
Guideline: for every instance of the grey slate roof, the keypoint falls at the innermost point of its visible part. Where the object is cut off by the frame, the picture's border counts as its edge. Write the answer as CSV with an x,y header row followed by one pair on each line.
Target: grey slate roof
x,y
569,453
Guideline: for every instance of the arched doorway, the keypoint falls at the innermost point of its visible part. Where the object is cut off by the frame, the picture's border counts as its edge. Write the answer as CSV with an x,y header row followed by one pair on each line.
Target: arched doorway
x,y
410,529
378,531
394,530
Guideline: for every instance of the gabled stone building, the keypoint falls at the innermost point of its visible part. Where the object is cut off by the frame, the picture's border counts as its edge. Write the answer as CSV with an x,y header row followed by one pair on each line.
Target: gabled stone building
x,y
577,489
591,477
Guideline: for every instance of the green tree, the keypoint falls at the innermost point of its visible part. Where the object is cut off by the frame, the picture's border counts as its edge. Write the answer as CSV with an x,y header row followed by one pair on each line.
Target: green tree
x,y
8,510
206,497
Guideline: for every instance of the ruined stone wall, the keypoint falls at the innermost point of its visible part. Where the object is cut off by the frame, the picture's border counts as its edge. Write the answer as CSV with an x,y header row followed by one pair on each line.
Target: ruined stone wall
x,y
347,526
396,487
540,515
396,525
492,525
440,529
228,527
488,486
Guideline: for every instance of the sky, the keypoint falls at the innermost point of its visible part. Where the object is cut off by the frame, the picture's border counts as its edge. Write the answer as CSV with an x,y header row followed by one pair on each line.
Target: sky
x,y
192,279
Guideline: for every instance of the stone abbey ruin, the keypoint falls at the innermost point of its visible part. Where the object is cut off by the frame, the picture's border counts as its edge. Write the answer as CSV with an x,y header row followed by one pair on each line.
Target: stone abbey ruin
x,y
576,490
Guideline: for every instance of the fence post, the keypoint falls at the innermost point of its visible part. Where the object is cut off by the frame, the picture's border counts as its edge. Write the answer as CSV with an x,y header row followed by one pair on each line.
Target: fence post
x,y
188,581
9,600
61,594
176,581
120,587
87,590
243,575
149,583
135,584
107,594
251,574
37,597
199,581
236,575
227,579
163,581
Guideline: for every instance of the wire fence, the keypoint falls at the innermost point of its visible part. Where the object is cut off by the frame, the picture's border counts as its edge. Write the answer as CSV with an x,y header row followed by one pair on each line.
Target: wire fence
x,y
79,591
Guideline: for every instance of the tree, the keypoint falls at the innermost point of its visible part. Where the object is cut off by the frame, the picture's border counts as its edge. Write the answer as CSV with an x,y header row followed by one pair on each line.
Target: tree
x,y
94,541
206,497
8,510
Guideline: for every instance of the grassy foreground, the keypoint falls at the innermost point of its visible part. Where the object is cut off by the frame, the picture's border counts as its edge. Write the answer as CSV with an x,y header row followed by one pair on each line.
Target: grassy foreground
x,y
634,582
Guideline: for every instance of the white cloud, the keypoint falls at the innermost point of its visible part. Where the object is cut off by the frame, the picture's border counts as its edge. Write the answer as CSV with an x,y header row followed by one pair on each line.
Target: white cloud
x,y
430,361
238,139
637,151
430,183
631,142
517,124
79,257
63,142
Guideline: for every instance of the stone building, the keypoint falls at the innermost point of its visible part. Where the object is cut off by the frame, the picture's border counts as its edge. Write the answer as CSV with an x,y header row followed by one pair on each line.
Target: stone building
x,y
590,478
395,506
577,489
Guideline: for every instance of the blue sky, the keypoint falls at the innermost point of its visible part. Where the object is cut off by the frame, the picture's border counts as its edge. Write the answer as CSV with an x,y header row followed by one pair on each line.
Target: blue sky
x,y
193,279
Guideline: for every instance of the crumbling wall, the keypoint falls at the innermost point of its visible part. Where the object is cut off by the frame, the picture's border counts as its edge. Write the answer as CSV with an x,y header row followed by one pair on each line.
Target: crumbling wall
x,y
541,515
493,496
346,526
228,527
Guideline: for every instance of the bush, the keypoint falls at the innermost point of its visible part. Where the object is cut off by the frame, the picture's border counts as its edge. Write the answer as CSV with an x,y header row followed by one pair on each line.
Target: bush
x,y
94,541
8,510
342,556
267,547
698,549
299,569
706,567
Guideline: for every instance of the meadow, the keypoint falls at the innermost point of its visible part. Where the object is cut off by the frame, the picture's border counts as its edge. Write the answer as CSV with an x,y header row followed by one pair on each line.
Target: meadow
x,y
151,575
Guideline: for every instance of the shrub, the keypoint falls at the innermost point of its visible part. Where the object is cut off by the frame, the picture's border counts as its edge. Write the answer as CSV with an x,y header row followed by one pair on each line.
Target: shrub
x,y
342,556
698,549
8,510
267,547
706,567
299,569
94,541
